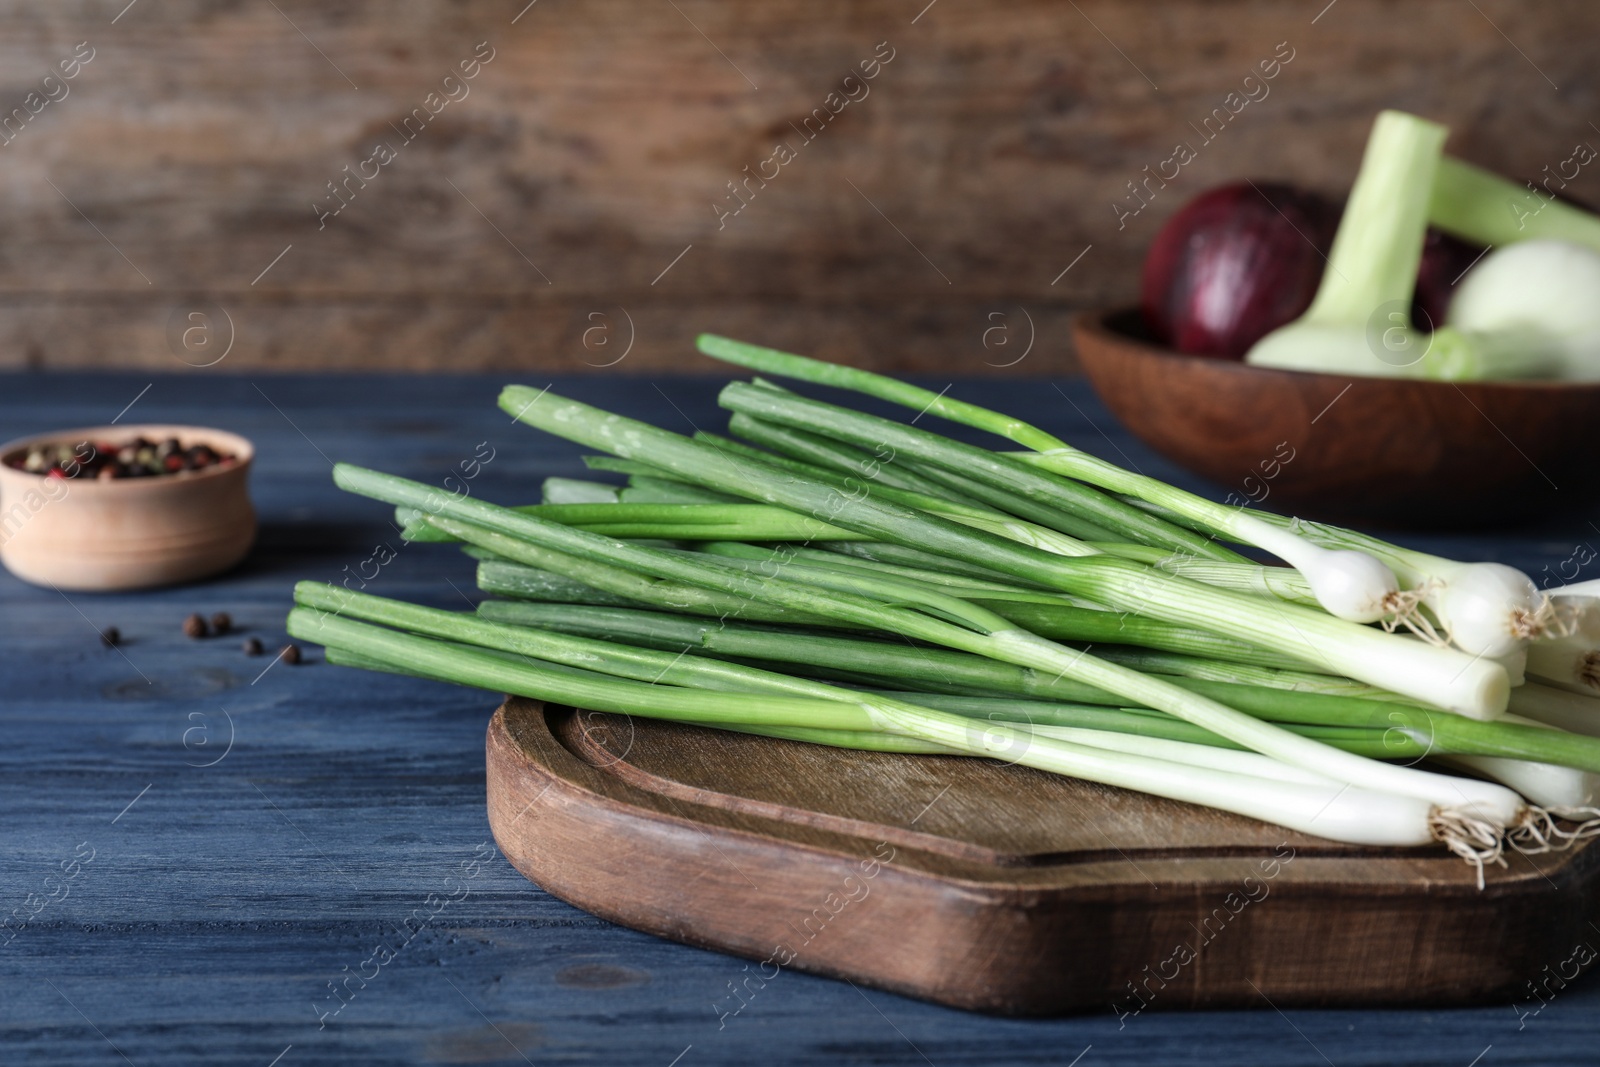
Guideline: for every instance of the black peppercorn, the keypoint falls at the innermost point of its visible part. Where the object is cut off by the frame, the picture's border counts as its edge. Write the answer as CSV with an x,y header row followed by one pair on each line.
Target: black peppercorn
x,y
252,646
195,626
110,637
290,654
221,623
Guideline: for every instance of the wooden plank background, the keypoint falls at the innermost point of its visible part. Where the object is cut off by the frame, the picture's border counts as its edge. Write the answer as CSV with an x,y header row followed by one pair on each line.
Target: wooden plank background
x,y
532,223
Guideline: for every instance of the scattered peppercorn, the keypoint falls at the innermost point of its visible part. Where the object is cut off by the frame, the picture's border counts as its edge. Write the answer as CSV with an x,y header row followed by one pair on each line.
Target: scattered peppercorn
x,y
221,623
110,637
290,654
252,646
195,626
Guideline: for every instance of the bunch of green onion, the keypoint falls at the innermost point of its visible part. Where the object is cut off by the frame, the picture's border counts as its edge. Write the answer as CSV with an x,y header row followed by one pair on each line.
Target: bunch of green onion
x,y
845,579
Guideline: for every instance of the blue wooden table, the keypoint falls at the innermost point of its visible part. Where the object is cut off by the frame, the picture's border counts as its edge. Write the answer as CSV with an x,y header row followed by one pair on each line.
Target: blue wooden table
x,y
197,851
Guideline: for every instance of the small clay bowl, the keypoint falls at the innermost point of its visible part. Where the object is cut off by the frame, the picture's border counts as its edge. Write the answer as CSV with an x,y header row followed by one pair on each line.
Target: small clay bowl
x,y
1382,451
126,533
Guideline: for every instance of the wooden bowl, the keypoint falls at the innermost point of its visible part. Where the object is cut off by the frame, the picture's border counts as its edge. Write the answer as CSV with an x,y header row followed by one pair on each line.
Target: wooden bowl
x,y
126,533
1385,451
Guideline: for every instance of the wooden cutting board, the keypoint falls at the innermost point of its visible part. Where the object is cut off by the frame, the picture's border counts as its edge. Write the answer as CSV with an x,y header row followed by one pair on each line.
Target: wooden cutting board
x,y
1000,888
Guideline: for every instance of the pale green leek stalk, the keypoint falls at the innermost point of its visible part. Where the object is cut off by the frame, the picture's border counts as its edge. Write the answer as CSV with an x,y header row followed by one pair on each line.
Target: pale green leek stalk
x,y
1360,320
1484,208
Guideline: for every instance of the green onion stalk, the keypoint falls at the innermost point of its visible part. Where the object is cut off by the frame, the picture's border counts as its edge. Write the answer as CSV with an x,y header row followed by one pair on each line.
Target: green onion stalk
x,y
818,454
1298,800
1337,571
960,675
531,629
1443,676
1003,505
1050,529
1346,585
730,525
1024,487
1550,768
1460,810
1045,615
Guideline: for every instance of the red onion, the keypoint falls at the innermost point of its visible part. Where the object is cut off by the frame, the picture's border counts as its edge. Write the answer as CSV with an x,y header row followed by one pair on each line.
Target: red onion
x,y
1238,261
1234,264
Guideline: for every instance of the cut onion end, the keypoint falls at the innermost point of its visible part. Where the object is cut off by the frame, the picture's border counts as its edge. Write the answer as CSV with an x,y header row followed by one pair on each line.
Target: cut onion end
x,y
1588,669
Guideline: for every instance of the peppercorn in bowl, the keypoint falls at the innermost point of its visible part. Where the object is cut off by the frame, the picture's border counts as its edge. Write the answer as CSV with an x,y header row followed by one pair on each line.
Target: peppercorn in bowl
x,y
124,507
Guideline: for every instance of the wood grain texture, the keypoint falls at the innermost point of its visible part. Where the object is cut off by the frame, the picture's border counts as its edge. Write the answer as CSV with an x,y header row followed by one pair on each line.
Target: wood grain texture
x,y
1351,449
1000,888
220,905
590,151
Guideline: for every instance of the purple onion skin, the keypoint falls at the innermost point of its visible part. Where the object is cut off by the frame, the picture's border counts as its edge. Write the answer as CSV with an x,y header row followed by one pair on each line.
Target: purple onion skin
x,y
1444,260
1234,264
